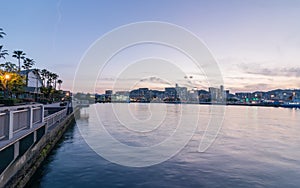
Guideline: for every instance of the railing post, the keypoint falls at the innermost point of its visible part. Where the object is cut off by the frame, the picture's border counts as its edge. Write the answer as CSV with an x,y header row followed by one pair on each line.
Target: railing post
x,y
34,136
42,113
30,117
10,124
16,149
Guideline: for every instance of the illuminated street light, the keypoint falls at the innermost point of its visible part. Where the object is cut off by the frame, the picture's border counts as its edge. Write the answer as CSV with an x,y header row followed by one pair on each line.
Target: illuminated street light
x,y
7,76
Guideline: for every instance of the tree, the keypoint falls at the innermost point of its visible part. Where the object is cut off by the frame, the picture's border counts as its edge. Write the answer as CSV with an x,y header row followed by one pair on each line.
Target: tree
x,y
43,75
2,33
17,84
9,67
54,78
37,71
18,54
3,53
49,79
28,63
11,82
59,84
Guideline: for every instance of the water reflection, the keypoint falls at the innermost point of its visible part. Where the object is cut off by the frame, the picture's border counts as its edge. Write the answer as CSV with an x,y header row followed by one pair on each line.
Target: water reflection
x,y
257,147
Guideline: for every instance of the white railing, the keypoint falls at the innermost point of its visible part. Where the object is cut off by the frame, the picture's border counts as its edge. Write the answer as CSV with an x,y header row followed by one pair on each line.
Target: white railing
x,y
3,120
56,117
14,119
37,115
20,120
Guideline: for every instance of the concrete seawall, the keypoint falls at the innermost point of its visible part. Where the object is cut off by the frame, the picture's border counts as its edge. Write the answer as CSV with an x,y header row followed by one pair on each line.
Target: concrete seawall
x,y
22,169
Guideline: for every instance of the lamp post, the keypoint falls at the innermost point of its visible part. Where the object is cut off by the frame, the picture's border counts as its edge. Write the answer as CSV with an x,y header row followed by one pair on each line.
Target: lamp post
x,y
6,77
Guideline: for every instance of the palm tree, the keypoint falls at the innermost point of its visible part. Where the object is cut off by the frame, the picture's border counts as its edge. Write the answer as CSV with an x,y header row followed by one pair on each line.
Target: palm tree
x,y
54,78
43,75
37,71
2,33
49,78
59,84
18,54
28,63
3,53
9,67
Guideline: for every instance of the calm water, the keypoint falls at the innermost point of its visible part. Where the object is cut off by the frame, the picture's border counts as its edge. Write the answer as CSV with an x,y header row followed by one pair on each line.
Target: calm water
x,y
256,147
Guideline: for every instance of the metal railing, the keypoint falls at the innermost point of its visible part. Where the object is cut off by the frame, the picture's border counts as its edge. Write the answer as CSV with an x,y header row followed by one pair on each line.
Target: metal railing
x,y
37,115
3,120
17,118
20,120
56,117
20,128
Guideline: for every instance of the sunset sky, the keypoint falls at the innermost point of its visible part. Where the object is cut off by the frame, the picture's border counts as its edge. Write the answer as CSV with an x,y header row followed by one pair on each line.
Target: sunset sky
x,y
256,43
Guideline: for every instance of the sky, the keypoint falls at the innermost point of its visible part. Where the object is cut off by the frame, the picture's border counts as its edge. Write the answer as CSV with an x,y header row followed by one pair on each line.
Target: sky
x,y
255,43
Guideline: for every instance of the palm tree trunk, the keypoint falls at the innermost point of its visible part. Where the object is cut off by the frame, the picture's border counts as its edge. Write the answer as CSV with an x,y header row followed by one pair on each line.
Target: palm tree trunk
x,y
19,65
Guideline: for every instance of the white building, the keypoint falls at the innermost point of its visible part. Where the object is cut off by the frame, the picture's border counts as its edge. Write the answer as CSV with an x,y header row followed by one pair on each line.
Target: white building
x,y
33,81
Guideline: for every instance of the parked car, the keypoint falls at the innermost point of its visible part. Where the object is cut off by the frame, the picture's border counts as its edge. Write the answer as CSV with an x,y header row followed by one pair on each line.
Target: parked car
x,y
64,103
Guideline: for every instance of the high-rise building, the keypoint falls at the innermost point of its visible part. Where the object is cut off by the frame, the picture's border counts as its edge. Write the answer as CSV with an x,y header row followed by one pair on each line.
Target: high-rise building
x,y
217,94
181,93
170,92
108,92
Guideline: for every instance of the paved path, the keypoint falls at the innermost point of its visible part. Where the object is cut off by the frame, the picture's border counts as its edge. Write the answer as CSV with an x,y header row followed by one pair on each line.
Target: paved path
x,y
52,105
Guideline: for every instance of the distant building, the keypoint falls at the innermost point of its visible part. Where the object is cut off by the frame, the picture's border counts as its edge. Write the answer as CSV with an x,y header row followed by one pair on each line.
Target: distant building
x,y
244,97
227,94
125,93
120,96
193,96
144,92
217,94
100,98
157,95
108,92
214,94
181,93
170,93
134,94
203,96
140,95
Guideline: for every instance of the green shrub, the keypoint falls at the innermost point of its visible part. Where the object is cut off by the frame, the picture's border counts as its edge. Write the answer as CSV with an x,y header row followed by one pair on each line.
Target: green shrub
x,y
9,102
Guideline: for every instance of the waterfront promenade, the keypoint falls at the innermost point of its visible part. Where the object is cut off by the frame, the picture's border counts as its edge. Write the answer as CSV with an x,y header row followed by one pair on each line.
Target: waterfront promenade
x,y
25,131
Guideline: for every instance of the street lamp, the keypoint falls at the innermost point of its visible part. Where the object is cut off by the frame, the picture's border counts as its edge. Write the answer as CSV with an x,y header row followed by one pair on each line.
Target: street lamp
x,y
7,77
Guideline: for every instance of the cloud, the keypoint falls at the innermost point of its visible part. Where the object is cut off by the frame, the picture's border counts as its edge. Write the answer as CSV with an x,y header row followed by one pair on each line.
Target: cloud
x,y
259,86
258,70
251,88
154,79
107,79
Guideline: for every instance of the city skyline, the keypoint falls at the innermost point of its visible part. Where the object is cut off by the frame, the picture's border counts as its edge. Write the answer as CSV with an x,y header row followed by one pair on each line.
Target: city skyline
x,y
213,95
255,43
286,92
206,89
